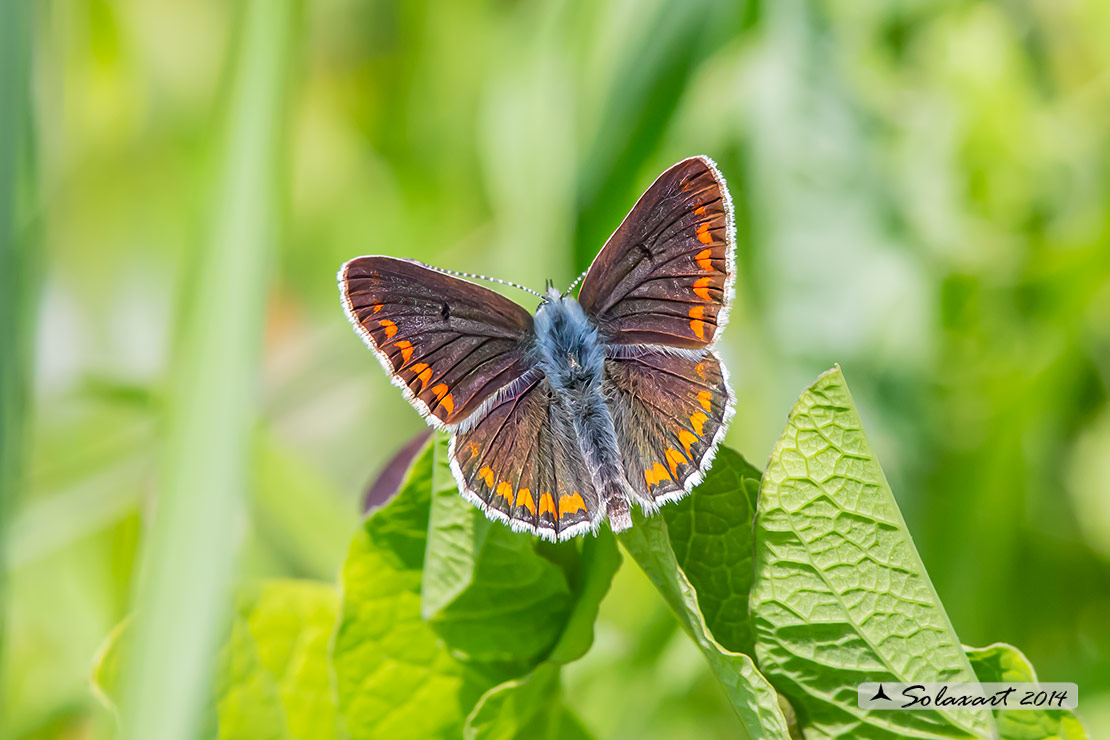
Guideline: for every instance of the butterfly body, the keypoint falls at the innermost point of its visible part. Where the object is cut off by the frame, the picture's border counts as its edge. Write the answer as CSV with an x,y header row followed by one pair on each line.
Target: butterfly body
x,y
563,419
572,357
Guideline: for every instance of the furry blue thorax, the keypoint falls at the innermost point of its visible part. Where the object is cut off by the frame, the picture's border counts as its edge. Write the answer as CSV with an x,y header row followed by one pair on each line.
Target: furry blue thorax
x,y
571,355
568,348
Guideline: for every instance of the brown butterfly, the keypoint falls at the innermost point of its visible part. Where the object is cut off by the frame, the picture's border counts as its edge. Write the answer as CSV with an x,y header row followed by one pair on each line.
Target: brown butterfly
x,y
561,418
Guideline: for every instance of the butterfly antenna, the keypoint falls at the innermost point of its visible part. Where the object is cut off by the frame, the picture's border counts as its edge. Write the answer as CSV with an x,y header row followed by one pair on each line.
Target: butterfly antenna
x,y
476,276
577,280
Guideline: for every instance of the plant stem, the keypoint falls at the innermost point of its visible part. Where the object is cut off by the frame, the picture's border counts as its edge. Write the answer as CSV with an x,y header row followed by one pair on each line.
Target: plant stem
x,y
17,278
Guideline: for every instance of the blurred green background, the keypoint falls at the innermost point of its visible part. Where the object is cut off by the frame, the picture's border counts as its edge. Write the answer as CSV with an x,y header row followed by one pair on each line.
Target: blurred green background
x,y
922,193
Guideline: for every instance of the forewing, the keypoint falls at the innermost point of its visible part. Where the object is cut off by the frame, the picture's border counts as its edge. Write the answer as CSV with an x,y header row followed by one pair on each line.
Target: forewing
x,y
665,275
670,412
520,464
448,343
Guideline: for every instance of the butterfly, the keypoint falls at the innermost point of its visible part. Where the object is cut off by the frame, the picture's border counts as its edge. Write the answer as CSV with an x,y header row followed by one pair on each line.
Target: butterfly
x,y
561,419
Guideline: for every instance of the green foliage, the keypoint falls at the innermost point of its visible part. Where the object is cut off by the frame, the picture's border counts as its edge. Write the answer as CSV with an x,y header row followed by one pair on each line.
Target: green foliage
x,y
394,676
274,679
488,592
188,557
999,663
447,624
840,594
530,707
749,692
711,536
921,192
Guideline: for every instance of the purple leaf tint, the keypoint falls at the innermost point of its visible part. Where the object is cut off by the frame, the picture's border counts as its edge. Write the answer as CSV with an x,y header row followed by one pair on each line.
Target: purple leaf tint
x,y
389,480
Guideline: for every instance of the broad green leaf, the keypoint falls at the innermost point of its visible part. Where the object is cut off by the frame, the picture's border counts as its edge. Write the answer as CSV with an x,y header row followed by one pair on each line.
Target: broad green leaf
x,y
274,681
395,677
487,591
596,566
531,707
711,535
756,703
840,594
999,663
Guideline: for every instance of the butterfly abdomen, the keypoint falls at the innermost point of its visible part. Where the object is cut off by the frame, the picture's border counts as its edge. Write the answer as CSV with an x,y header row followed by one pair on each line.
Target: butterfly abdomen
x,y
572,356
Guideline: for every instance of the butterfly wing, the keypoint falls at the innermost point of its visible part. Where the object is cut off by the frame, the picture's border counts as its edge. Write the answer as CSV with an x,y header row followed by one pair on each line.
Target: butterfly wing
x,y
520,463
665,275
670,412
448,343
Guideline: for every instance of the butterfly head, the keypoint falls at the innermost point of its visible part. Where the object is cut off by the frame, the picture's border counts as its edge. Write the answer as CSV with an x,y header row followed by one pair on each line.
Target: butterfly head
x,y
551,296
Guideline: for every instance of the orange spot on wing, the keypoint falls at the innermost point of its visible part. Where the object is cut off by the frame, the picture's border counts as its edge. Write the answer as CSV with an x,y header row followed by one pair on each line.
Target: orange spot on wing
x,y
406,349
448,403
423,373
701,288
524,498
439,389
377,307
696,324
474,450
389,326
699,211
704,399
704,260
703,234
505,491
687,439
700,370
570,503
674,459
655,474
487,475
698,419
547,505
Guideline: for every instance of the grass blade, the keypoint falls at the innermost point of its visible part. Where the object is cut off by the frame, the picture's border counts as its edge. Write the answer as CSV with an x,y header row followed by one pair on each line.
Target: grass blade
x,y
16,266
188,554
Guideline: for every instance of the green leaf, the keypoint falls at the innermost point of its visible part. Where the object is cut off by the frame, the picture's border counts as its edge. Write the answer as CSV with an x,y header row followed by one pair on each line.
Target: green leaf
x,y
111,654
1002,663
487,591
755,702
840,594
597,564
711,535
395,677
274,679
530,707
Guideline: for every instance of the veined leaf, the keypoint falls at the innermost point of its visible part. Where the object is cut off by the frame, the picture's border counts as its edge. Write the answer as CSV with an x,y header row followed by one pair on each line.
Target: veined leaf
x,y
711,535
530,707
1002,663
840,594
274,681
756,703
487,591
395,677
